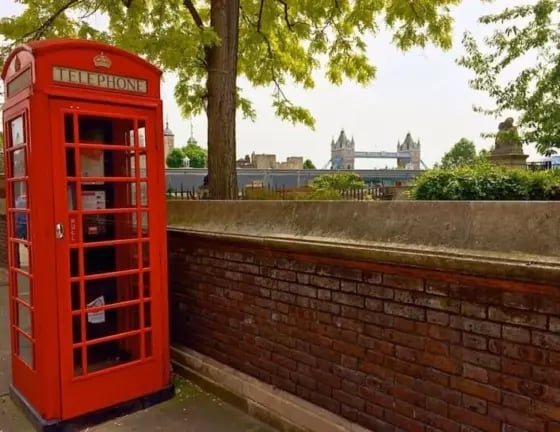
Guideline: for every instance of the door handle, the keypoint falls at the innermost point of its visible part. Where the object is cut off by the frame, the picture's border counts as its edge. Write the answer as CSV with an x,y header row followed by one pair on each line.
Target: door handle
x,y
59,231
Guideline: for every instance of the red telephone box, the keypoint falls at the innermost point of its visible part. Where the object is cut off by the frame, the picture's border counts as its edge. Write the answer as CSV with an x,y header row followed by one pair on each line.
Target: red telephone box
x,y
85,180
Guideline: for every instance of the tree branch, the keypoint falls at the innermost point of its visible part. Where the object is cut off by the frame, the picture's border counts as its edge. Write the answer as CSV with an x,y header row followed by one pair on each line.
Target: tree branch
x,y
286,17
259,19
194,13
39,32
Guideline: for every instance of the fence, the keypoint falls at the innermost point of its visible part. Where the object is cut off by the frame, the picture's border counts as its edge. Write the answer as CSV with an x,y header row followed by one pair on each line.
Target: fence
x,y
283,193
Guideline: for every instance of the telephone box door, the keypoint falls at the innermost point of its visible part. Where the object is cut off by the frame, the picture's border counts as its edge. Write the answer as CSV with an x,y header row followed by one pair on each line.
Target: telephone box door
x,y
108,245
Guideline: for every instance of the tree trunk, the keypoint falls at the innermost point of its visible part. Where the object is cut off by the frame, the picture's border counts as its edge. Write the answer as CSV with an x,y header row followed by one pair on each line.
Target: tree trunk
x,y
221,109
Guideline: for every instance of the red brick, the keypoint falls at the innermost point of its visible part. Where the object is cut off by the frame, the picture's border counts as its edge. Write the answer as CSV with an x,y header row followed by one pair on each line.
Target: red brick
x,y
444,333
380,398
348,348
546,340
372,277
551,412
376,344
436,317
479,406
404,393
475,341
403,422
443,363
375,291
516,317
348,399
325,282
485,328
437,288
474,310
401,338
374,423
348,299
516,368
475,388
410,312
479,358
348,286
440,303
516,401
475,373
466,417
403,296
404,282
374,304
436,406
513,417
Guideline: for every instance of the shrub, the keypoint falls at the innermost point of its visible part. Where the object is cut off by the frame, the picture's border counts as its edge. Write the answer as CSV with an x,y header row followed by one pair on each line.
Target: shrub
x,y
487,182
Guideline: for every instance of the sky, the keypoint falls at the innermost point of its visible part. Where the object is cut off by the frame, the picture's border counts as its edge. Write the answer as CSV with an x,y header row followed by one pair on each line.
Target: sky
x,y
422,91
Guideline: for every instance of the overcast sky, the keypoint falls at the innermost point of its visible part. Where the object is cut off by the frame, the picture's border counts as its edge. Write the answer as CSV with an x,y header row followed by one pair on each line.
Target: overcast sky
x,y
423,92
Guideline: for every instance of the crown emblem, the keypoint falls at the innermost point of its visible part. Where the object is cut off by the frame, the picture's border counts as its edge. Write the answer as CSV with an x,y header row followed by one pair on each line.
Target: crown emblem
x,y
101,60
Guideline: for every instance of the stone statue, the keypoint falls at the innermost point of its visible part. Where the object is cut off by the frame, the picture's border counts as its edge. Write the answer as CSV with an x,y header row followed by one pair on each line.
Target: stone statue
x,y
507,138
508,148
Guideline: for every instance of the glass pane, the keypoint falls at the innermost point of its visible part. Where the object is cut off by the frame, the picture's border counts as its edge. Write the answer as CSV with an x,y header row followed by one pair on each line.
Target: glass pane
x,y
18,163
108,226
23,288
144,227
110,258
129,136
114,353
107,291
24,319
25,349
147,284
109,322
21,256
143,194
148,342
142,164
95,162
18,131
103,130
147,314
19,194
108,195
145,255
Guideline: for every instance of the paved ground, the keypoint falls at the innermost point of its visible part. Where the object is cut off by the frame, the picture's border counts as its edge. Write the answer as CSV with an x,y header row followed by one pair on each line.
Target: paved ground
x,y
5,366
192,410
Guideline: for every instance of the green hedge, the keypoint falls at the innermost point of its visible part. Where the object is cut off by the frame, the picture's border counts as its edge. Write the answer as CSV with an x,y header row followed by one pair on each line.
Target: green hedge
x,y
487,182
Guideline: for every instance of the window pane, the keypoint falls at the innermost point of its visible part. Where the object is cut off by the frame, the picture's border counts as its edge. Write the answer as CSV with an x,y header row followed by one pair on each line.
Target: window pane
x,y
18,131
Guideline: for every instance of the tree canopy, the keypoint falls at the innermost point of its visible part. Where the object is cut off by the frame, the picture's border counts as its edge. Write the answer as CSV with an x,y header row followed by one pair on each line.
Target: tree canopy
x,y
197,156
308,164
208,43
527,32
338,182
463,153
175,159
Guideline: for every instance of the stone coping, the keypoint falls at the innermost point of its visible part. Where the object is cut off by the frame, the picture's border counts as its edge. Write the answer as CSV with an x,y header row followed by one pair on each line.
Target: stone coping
x,y
505,239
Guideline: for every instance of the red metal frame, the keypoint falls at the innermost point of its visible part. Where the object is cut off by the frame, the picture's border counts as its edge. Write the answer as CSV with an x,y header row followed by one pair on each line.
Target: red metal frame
x,y
52,385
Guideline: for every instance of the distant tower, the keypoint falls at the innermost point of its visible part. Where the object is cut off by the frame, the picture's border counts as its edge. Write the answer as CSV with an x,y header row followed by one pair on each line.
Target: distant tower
x,y
342,152
192,139
412,160
168,140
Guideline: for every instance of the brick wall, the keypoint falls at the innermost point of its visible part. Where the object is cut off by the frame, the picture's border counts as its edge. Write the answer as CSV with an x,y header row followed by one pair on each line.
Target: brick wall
x,y
394,349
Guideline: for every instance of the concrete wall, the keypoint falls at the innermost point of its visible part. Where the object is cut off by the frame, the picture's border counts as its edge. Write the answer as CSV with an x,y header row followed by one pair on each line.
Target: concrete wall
x,y
397,316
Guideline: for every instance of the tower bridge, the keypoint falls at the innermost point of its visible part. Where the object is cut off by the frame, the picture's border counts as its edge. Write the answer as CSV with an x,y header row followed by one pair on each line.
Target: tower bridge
x,y
344,154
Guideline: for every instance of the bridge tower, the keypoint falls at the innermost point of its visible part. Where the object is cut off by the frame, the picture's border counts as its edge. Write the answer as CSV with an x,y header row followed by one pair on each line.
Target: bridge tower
x,y
413,150
342,152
